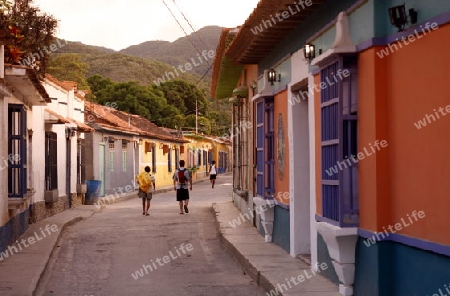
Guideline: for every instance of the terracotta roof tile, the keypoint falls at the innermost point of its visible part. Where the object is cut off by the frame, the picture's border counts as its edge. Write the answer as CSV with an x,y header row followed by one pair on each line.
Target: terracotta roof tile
x,y
108,117
148,127
61,119
71,84
57,82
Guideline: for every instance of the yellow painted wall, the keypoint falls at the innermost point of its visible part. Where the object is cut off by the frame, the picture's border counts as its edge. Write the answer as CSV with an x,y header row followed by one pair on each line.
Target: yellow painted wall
x,y
163,177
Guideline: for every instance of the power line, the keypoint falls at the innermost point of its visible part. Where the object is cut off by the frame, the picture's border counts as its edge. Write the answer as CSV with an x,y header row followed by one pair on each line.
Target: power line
x,y
206,72
189,23
185,33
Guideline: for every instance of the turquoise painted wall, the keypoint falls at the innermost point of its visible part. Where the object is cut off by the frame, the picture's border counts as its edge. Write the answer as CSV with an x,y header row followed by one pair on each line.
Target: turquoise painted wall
x,y
425,10
393,269
369,20
297,38
284,69
281,228
323,256
372,267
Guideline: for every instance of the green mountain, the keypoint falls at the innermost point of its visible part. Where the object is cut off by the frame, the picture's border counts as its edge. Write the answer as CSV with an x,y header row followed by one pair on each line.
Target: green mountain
x,y
122,68
154,61
182,51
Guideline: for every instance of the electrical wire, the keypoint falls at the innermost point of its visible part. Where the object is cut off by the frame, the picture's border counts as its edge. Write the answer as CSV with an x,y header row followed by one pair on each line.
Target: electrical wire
x,y
185,33
190,25
206,72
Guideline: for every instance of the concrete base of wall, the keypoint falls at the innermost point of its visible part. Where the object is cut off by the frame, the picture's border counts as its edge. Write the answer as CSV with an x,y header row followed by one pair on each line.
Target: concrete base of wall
x,y
392,269
41,210
324,257
13,229
77,199
281,228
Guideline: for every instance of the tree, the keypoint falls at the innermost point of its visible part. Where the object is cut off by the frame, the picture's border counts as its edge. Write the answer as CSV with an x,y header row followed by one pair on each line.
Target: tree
x,y
184,96
146,101
31,34
70,67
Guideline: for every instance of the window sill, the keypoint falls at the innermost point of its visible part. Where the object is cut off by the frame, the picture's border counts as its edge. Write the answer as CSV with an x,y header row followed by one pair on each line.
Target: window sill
x,y
14,203
241,193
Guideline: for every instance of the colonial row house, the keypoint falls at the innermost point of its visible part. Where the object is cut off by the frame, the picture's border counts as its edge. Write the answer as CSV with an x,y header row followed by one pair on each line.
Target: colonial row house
x,y
64,146
348,136
122,145
42,118
202,150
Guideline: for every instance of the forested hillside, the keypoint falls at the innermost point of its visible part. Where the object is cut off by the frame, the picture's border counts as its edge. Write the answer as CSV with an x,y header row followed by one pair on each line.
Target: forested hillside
x,y
181,51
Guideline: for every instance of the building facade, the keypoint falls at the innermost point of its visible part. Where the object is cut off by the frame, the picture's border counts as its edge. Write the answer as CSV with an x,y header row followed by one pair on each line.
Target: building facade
x,y
20,92
346,147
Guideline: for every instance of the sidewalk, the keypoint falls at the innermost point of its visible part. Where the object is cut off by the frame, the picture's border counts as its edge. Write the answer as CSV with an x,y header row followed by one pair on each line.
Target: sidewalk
x,y
20,272
266,263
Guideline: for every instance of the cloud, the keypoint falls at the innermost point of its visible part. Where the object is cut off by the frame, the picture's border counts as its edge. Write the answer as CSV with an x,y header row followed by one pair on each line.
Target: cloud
x,y
118,24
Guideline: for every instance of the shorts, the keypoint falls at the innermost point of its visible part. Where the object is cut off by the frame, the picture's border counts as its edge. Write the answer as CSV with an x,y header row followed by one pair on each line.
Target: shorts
x,y
145,195
182,194
212,177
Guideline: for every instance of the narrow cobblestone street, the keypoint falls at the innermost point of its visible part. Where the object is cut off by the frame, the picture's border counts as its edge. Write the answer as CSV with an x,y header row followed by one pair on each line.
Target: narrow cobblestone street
x,y
99,255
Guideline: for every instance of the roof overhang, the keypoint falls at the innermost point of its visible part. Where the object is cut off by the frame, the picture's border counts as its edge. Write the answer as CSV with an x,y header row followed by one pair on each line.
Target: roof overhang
x,y
52,117
226,73
5,91
250,46
26,85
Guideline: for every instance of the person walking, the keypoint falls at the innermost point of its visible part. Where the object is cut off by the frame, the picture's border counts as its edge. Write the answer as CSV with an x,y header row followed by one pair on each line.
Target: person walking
x,y
146,187
213,173
182,182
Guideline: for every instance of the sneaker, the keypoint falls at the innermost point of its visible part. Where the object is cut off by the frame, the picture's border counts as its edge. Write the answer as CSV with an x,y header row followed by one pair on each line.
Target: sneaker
x,y
186,209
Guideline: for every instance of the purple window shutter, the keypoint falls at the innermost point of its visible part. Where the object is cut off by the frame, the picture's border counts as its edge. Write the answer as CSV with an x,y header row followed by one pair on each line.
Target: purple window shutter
x,y
260,148
330,120
269,146
339,143
349,177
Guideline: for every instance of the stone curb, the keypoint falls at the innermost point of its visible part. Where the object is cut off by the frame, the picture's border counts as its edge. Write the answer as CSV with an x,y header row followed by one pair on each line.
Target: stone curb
x,y
247,268
265,263
43,268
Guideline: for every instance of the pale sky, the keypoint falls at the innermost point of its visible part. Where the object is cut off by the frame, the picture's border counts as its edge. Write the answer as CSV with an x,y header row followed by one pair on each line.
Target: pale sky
x,y
117,24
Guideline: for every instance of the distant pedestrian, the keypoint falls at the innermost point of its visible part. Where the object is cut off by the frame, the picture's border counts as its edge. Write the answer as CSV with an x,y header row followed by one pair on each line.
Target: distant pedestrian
x,y
213,173
182,182
146,187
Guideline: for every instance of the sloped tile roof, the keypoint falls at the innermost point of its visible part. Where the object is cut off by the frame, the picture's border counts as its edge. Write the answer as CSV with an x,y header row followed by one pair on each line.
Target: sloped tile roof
x,y
250,45
61,119
107,117
147,126
57,82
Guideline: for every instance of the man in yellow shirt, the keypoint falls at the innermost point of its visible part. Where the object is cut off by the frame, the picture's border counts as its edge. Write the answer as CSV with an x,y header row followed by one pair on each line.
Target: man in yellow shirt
x,y
146,187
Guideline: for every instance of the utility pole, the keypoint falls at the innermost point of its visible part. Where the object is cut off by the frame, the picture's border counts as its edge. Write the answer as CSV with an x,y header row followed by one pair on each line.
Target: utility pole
x,y
196,117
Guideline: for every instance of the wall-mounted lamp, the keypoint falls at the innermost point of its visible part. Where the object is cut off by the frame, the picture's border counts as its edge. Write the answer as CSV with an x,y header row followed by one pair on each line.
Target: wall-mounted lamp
x,y
309,51
272,76
253,85
399,18
70,132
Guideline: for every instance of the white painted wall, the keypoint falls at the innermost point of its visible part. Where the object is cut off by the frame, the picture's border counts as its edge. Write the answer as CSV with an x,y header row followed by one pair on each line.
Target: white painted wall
x,y
66,110
36,123
312,173
3,155
299,171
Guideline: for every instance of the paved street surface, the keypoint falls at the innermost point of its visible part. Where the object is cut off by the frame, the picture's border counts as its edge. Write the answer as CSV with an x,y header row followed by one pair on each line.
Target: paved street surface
x,y
183,253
